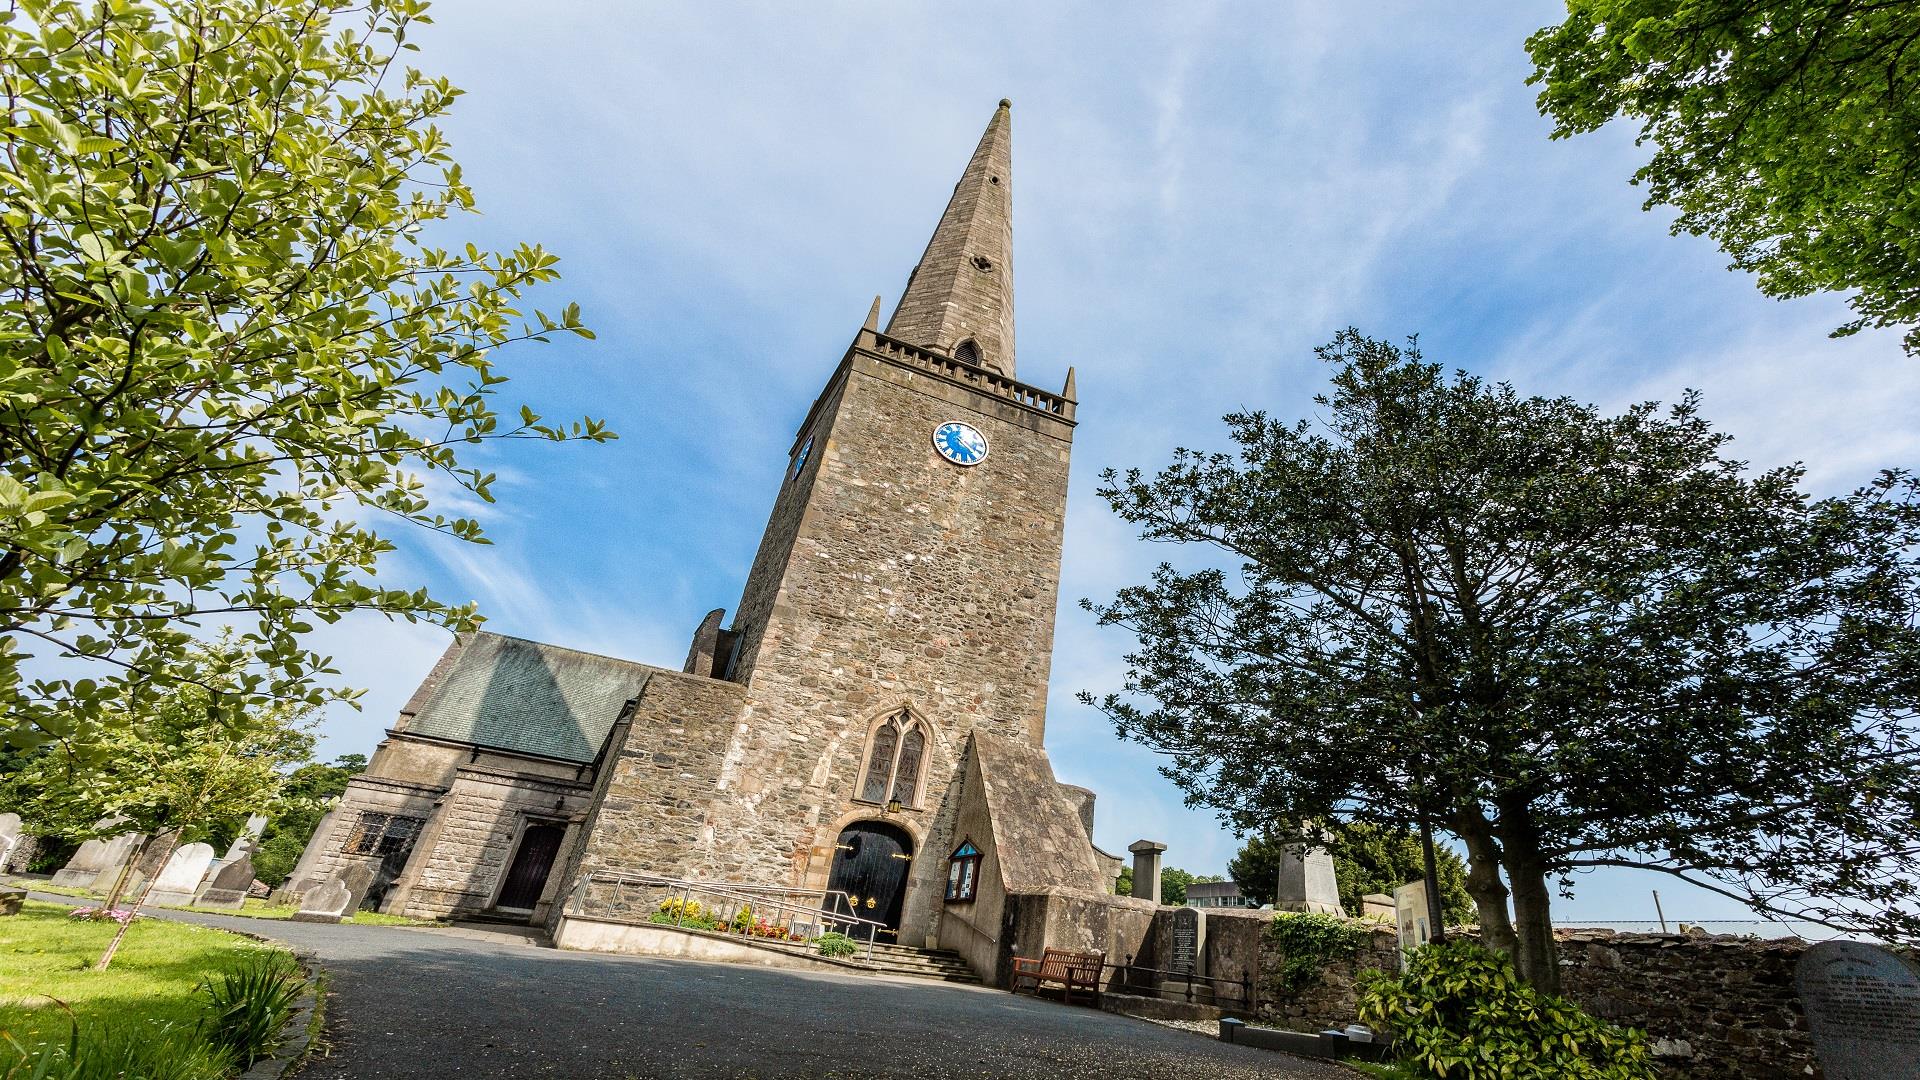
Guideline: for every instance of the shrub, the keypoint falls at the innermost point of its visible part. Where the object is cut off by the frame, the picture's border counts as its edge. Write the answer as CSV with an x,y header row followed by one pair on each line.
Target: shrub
x,y
1309,941
834,943
1461,1013
249,1003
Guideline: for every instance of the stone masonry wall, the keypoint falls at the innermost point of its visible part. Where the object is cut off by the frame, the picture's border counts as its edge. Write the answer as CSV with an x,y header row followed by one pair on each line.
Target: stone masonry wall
x,y
1332,999
1714,1008
479,822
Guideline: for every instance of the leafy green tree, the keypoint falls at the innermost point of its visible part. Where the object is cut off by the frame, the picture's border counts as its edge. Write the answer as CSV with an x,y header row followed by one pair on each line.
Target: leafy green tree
x,y
307,792
225,341
1568,638
1123,885
200,757
1367,858
1173,886
1788,130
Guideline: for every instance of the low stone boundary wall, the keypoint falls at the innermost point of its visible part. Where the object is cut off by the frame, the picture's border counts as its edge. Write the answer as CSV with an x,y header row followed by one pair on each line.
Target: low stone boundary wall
x,y
1715,1008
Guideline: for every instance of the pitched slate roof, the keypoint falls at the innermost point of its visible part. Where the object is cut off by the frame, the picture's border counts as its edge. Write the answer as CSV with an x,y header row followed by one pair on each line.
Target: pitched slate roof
x,y
511,694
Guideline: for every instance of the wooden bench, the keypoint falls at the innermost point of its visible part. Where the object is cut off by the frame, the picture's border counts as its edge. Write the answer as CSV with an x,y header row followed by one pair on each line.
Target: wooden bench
x,y
1058,967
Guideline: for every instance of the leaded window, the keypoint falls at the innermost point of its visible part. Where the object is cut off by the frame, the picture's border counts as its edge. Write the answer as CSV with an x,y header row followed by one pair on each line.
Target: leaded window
x,y
382,834
963,871
896,760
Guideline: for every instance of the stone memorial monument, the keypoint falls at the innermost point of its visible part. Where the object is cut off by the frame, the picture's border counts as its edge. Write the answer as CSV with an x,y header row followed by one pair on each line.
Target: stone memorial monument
x,y
326,903
1863,1011
179,879
115,854
11,899
94,858
1307,881
1146,869
1188,947
229,885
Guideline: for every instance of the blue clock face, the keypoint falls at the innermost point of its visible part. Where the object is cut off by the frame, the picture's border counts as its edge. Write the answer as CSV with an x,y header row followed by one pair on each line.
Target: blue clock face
x,y
960,443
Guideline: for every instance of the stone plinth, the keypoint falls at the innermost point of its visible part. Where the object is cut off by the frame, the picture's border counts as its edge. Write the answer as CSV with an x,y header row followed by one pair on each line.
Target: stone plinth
x,y
1146,869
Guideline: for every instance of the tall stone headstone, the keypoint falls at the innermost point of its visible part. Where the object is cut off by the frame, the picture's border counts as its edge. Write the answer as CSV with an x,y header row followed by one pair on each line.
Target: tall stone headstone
x,y
229,885
327,902
180,878
1410,917
1187,927
82,867
1146,869
1863,1011
1307,881
248,840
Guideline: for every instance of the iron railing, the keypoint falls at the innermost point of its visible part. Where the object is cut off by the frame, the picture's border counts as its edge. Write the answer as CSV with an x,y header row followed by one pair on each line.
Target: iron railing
x,y
1244,982
804,913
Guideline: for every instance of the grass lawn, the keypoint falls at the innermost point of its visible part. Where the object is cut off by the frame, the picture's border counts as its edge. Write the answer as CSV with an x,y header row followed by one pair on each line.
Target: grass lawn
x,y
250,909
260,909
148,994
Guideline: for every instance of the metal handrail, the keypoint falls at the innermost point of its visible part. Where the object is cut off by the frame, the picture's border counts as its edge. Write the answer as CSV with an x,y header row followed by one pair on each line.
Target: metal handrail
x,y
739,893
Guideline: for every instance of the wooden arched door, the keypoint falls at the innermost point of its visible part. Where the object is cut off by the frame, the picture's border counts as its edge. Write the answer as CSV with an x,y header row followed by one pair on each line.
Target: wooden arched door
x,y
870,864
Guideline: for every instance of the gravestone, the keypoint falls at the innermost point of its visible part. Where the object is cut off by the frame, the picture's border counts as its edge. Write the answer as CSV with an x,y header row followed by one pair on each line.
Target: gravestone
x,y
1410,917
115,854
327,902
358,878
1863,1011
11,899
9,838
180,878
1188,931
1146,869
230,884
1307,881
83,867
289,892
293,893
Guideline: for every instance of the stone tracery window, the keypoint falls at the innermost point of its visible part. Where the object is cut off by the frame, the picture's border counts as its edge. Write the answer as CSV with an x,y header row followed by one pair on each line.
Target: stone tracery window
x,y
896,760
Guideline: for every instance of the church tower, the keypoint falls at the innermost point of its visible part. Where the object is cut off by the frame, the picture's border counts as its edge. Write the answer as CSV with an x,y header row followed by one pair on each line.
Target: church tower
x,y
895,632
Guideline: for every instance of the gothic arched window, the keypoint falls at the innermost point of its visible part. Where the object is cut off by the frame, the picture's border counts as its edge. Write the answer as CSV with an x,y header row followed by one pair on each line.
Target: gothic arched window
x,y
967,352
896,760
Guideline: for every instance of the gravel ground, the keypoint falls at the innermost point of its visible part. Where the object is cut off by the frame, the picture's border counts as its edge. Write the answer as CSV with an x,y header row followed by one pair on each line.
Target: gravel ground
x,y
430,1004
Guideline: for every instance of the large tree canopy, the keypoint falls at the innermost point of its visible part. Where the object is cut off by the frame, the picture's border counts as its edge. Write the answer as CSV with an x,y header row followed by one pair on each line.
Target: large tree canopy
x,y
1569,638
226,346
1788,130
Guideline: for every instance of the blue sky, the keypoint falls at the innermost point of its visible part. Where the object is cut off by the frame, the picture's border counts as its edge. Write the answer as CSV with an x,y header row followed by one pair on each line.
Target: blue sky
x,y
1202,193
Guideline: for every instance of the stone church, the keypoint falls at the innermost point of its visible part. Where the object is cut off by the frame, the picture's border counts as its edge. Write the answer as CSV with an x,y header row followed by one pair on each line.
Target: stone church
x,y
870,723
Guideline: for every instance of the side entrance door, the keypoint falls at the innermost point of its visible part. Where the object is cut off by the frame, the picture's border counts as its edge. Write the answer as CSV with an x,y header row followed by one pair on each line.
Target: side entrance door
x,y
527,876
870,864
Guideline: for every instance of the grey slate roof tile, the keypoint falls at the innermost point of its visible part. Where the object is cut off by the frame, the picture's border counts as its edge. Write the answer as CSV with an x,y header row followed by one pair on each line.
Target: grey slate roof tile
x,y
511,694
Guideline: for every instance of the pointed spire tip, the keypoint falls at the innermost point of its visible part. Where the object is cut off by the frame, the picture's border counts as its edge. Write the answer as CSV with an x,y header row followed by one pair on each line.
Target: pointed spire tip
x,y
873,316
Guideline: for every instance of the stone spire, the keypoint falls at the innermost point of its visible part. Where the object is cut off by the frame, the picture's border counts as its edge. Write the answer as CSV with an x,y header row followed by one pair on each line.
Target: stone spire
x,y
962,291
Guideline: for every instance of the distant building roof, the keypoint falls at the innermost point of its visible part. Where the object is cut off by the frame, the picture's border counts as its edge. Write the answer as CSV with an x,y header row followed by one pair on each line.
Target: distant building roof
x,y
1226,889
511,694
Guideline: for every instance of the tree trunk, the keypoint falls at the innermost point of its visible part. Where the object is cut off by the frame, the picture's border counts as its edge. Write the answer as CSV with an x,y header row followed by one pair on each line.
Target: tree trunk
x,y
1538,956
120,934
119,886
1484,885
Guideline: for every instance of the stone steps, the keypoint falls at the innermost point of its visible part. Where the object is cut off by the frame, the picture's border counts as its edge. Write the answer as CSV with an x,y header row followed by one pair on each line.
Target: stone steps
x,y
939,964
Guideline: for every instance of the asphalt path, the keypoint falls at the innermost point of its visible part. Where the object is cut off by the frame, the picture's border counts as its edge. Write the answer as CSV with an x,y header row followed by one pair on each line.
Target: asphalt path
x,y
426,1004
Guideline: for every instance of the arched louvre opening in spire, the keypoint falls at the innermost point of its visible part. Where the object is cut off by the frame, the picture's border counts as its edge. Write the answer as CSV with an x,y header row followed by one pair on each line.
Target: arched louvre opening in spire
x,y
962,290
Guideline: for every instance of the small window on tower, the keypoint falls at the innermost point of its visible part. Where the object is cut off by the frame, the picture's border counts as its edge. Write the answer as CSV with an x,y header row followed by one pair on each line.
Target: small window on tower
x,y
967,352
